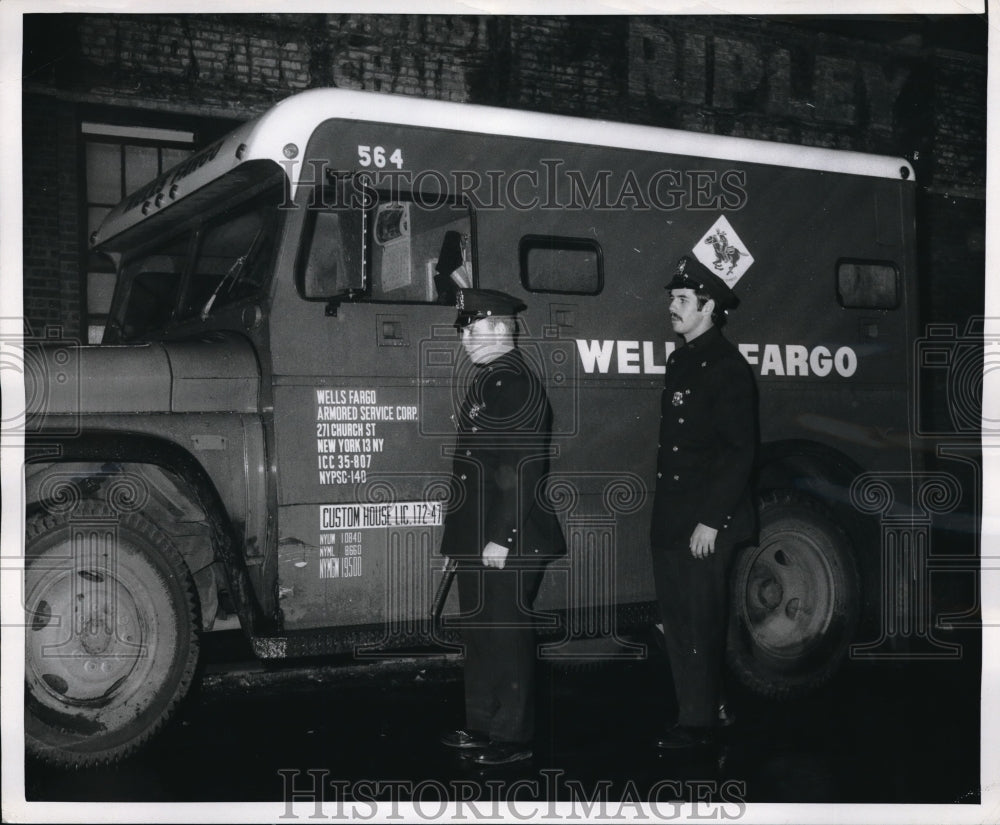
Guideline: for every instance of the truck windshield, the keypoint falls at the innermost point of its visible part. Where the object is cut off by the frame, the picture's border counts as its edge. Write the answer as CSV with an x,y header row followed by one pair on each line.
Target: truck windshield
x,y
153,284
196,273
232,262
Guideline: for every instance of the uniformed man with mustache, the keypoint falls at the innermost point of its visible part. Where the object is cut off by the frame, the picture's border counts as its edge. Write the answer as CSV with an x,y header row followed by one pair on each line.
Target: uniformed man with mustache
x,y
702,506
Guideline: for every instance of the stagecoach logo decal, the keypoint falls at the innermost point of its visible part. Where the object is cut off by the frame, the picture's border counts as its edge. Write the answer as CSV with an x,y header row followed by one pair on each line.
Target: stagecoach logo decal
x,y
723,251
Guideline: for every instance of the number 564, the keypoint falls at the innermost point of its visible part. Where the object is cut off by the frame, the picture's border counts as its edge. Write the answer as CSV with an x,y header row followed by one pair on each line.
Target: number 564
x,y
375,156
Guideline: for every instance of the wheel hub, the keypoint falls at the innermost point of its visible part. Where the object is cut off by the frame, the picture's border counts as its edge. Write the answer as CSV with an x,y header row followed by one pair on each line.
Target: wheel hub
x,y
770,593
96,636
85,637
786,606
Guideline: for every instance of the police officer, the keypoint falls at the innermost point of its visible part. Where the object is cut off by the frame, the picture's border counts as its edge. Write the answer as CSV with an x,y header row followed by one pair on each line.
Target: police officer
x,y
702,506
498,528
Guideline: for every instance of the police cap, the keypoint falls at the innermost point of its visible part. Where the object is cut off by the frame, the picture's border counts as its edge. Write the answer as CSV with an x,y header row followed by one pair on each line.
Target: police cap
x,y
473,304
692,274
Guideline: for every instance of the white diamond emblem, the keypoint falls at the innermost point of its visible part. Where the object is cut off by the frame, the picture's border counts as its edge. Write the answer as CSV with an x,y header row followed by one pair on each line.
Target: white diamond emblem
x,y
722,251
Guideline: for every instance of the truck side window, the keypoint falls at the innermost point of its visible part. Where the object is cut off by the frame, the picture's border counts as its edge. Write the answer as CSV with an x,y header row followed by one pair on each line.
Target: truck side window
x,y
418,250
563,265
331,263
399,247
867,284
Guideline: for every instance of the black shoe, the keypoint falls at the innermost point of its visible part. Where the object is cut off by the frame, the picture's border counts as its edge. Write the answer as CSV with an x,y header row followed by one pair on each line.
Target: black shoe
x,y
685,736
464,739
503,753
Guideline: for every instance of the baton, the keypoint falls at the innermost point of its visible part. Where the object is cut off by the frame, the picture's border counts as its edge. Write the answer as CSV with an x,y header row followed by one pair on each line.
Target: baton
x,y
442,590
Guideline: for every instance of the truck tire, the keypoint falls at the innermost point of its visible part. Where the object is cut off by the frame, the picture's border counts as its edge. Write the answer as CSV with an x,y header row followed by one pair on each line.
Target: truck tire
x,y
111,637
795,599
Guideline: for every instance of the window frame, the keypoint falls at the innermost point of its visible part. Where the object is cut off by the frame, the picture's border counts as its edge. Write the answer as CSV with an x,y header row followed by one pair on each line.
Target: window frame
x,y
381,196
567,242
869,262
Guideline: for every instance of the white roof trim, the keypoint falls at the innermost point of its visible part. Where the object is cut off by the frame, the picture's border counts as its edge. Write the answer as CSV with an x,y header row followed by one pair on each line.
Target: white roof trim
x,y
295,118
293,121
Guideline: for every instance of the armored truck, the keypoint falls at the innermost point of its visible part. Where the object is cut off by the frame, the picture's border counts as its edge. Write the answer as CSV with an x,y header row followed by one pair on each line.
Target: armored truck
x,y
264,437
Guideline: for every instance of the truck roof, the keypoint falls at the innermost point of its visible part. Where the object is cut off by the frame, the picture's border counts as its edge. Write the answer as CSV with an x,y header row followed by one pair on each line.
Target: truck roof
x,y
294,119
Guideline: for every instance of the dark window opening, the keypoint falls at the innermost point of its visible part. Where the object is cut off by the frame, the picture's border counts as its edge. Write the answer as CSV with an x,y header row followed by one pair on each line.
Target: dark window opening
x,y
194,274
234,259
867,284
153,284
572,266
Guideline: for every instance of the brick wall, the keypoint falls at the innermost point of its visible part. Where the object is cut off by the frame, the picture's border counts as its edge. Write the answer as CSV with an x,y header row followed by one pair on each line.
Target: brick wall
x,y
754,77
52,234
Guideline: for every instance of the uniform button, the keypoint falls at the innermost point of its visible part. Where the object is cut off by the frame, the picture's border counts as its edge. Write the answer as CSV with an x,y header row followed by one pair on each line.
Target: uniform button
x,y
659,475
468,452
475,429
674,448
463,476
677,478
680,420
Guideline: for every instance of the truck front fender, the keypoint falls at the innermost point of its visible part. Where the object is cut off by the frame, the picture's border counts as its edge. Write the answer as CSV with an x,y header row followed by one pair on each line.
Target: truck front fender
x,y
123,469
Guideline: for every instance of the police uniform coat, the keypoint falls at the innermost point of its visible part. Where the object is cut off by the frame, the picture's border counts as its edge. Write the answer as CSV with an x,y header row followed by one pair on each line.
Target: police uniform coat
x,y
501,459
706,452
497,494
707,444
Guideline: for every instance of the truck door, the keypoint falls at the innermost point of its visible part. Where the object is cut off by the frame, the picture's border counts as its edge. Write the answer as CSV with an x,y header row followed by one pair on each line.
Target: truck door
x,y
364,353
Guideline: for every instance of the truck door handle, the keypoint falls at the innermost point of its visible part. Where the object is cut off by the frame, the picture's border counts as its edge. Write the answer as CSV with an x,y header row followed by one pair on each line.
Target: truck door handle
x,y
562,315
390,331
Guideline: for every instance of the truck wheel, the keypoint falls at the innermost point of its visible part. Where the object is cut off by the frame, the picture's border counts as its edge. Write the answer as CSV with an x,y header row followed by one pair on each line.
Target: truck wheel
x,y
111,637
795,599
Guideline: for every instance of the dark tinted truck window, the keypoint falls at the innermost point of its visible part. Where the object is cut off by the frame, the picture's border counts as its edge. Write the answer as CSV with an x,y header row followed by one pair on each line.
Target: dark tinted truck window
x,y
191,275
233,259
153,282
867,284
563,265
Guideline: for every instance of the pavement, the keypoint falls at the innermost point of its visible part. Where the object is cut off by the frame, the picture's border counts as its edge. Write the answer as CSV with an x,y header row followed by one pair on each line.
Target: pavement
x,y
878,732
